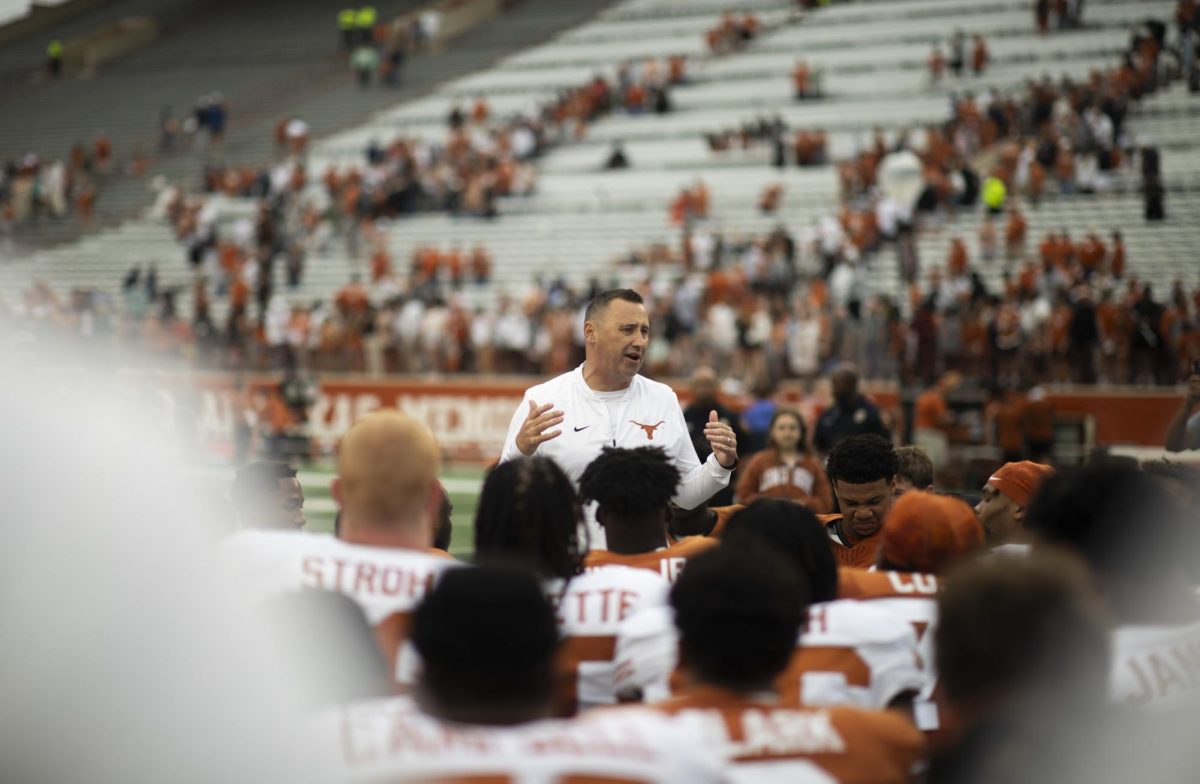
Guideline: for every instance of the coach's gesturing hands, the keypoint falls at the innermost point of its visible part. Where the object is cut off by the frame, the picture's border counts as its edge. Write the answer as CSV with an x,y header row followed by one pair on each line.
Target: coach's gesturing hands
x,y
536,429
721,439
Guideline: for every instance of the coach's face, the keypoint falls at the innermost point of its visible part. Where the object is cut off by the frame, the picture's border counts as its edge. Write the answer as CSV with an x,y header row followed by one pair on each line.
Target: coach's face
x,y
616,341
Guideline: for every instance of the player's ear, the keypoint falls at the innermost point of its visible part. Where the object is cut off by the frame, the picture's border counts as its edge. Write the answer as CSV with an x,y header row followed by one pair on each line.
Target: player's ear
x,y
589,332
335,490
1019,515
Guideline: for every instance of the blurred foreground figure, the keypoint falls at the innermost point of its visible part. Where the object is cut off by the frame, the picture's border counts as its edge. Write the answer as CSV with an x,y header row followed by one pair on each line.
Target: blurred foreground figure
x,y
487,638
268,495
1023,652
1132,536
389,499
127,662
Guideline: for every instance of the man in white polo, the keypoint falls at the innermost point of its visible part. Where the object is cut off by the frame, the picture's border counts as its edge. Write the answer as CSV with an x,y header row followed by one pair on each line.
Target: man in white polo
x,y
604,402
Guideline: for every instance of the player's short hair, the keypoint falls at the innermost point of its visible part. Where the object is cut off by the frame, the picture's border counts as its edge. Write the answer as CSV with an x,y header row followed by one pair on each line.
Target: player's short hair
x,y
1117,517
256,482
601,301
794,532
1010,623
486,636
630,484
913,465
861,460
528,513
738,611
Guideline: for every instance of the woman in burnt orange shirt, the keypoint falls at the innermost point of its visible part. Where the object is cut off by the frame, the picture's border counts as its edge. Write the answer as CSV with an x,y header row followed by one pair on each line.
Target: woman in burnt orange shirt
x,y
786,469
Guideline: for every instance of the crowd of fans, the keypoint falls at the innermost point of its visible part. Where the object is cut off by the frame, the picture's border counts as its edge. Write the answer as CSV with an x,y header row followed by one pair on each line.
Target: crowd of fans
x,y
33,189
732,32
980,55
1072,134
755,308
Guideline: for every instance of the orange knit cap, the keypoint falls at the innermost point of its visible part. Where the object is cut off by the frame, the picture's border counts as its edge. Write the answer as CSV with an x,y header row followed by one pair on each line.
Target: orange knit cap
x,y
1020,481
926,532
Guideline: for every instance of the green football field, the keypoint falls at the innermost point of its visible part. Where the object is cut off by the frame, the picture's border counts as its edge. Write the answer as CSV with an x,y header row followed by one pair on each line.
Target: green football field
x,y
462,483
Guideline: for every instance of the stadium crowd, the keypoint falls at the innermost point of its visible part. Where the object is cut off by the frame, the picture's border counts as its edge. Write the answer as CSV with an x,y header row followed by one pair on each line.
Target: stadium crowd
x,y
1071,134
614,625
753,308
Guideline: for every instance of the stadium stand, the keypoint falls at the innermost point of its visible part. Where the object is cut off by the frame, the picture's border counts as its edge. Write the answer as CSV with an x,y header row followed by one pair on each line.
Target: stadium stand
x,y
579,218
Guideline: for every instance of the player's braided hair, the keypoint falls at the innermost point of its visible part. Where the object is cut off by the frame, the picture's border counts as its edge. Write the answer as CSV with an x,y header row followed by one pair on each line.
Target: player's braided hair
x,y
630,484
528,512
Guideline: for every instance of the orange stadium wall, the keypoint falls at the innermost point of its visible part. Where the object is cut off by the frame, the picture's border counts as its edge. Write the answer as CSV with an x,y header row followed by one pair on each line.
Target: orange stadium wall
x,y
470,417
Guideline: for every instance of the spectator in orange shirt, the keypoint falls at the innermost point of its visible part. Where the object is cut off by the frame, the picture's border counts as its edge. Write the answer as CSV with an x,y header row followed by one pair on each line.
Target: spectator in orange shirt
x,y
1116,259
956,258
979,55
381,265
1014,234
800,79
481,265
1002,429
1091,254
937,63
932,418
786,468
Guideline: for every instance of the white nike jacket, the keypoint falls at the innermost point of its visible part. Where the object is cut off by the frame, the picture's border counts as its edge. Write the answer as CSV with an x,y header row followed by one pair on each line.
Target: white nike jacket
x,y
650,415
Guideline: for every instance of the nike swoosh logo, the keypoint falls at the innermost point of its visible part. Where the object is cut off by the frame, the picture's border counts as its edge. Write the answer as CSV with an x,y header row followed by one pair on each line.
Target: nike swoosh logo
x,y
585,427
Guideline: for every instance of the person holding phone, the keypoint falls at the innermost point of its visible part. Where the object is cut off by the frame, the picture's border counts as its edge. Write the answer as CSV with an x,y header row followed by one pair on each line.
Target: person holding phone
x,y
1184,430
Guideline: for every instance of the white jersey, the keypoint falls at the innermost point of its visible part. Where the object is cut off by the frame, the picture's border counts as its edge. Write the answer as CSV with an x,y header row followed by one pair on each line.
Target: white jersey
x,y
851,653
646,414
387,583
847,654
590,612
911,597
391,740
1156,667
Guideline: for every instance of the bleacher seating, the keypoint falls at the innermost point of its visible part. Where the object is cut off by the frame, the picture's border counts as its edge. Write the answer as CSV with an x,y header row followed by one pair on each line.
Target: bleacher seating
x,y
874,76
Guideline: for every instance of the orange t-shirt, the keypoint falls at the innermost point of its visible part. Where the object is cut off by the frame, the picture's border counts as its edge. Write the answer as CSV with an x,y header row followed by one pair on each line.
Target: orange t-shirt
x,y
930,410
1037,417
1006,419
667,562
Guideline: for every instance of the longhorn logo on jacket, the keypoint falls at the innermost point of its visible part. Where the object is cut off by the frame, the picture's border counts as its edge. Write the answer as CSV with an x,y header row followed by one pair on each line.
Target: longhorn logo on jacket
x,y
649,428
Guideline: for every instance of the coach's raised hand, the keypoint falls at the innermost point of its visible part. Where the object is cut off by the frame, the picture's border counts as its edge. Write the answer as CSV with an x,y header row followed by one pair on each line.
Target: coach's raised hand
x,y
721,439
534,431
